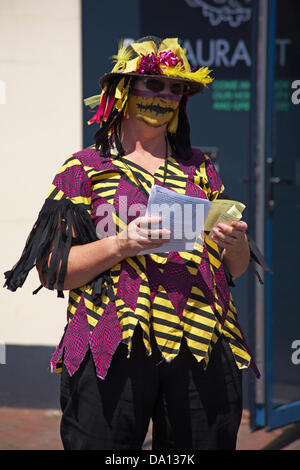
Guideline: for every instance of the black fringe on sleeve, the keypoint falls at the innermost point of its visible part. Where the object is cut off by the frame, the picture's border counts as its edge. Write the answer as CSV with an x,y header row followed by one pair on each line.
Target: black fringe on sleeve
x,y
56,222
255,255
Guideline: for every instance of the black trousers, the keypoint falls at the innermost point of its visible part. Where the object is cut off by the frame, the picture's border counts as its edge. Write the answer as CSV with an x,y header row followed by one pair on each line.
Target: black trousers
x,y
191,409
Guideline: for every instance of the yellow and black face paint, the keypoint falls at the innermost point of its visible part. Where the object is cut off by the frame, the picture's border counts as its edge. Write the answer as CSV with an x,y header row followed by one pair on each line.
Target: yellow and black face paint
x,y
152,109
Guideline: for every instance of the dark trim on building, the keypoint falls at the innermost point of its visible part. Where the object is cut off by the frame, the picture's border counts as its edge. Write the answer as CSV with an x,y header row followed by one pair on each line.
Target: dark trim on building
x,y
26,380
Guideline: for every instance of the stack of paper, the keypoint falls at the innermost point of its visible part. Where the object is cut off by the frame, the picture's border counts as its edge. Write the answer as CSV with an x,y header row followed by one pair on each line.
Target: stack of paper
x,y
187,217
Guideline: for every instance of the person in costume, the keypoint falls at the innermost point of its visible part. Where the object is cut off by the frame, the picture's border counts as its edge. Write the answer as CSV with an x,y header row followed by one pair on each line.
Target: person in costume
x,y
151,336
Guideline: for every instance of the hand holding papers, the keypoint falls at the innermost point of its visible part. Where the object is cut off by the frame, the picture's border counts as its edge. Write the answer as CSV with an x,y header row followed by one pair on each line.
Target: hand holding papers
x,y
188,217
225,211
183,215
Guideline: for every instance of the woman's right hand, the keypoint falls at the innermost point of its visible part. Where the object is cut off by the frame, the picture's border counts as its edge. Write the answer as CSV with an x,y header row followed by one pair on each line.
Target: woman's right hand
x,y
139,236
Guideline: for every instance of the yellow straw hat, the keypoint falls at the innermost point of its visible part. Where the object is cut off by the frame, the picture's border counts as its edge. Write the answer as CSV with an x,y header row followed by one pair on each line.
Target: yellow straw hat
x,y
154,56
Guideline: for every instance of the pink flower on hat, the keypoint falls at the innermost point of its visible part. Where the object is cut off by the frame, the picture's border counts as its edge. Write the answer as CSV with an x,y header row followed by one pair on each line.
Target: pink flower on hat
x,y
150,63
169,58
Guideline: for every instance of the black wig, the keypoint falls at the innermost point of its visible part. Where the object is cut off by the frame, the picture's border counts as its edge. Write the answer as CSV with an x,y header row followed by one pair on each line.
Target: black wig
x,y
180,141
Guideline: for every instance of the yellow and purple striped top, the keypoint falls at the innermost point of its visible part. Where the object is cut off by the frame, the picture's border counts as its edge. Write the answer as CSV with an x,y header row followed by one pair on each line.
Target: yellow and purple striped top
x,y
177,295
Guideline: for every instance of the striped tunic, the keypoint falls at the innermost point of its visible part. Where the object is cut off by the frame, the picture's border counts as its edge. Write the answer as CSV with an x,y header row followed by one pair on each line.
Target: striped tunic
x,y
177,294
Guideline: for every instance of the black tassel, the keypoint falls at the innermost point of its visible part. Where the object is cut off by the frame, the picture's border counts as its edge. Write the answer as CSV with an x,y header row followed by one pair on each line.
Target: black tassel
x,y
256,272
38,242
37,290
255,255
98,288
56,222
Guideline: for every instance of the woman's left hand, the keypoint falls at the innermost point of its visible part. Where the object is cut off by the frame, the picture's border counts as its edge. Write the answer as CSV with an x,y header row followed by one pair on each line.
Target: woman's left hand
x,y
232,237
234,241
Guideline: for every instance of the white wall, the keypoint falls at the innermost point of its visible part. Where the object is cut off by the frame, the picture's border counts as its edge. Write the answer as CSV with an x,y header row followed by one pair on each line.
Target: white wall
x,y
40,126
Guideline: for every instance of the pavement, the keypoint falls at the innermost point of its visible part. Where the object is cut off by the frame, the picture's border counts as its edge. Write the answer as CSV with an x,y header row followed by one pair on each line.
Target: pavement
x,y
32,429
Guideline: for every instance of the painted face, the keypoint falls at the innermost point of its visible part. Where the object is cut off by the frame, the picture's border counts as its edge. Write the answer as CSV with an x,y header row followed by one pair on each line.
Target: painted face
x,y
154,100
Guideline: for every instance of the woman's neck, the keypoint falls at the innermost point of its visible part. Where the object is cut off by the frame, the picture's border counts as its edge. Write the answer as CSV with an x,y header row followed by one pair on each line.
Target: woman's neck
x,y
137,137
